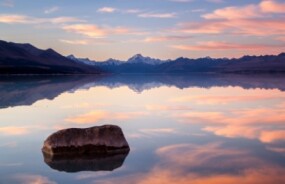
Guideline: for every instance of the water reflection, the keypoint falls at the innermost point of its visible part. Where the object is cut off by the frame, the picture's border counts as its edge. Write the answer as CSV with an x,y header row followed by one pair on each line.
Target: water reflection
x,y
79,163
182,129
18,91
208,164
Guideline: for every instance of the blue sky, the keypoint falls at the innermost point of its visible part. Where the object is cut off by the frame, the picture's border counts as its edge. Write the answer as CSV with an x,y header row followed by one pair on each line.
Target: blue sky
x,y
102,29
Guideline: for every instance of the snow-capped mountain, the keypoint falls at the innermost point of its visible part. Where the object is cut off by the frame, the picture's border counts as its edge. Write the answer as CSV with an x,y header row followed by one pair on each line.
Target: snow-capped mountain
x,y
111,61
138,58
81,60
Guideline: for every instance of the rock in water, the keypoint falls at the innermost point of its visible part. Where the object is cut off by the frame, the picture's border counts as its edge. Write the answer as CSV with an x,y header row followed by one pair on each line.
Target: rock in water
x,y
100,140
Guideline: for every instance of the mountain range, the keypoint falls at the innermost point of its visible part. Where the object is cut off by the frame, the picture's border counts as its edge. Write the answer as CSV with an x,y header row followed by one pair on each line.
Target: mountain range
x,y
26,59
18,58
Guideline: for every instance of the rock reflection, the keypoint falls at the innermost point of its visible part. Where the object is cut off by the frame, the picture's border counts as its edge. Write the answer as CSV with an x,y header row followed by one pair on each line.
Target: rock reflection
x,y
78,163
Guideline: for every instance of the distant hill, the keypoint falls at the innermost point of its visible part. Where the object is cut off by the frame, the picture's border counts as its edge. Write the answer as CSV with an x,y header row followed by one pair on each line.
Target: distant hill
x,y
141,64
26,59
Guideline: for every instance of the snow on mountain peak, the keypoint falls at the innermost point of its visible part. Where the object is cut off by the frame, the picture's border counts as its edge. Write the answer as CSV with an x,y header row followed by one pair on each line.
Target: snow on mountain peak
x,y
138,58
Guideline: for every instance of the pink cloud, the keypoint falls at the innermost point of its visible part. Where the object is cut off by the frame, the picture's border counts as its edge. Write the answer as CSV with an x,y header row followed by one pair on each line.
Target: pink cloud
x,y
95,31
165,38
271,6
272,136
12,130
250,11
224,46
23,19
255,27
96,116
181,163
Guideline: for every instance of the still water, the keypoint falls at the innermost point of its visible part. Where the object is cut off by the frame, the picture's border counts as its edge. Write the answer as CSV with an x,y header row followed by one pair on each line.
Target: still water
x,y
202,129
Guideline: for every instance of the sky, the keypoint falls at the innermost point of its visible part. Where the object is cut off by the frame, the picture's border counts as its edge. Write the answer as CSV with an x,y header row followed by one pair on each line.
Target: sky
x,y
165,29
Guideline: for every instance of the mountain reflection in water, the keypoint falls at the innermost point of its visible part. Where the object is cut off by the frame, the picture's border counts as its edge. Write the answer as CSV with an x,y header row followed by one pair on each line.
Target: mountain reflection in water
x,y
26,90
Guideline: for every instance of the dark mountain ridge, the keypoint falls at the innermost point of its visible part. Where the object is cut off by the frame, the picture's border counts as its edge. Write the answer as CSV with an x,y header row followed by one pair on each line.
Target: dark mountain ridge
x,y
141,64
27,59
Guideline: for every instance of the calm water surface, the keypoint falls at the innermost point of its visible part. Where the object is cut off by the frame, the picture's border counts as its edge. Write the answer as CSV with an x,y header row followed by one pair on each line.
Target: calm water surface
x,y
181,129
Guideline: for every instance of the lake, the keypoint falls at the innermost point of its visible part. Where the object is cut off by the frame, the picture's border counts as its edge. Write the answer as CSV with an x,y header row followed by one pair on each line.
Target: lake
x,y
198,129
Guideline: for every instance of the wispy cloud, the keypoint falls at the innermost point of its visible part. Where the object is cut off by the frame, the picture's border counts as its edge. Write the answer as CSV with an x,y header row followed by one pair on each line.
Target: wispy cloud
x,y
95,31
198,10
272,6
96,116
166,38
23,19
250,11
86,29
132,11
159,131
106,10
251,19
28,179
12,130
51,10
157,15
75,42
225,46
216,1
254,27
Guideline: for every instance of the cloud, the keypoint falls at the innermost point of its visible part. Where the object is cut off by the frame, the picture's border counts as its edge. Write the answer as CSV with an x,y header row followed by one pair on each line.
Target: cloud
x,y
253,19
159,131
95,31
238,117
96,116
106,10
240,123
28,179
75,42
272,136
23,19
12,130
264,9
132,11
225,99
250,11
271,6
254,27
281,38
165,38
51,10
225,46
198,10
87,30
153,107
234,131
157,15
216,1
207,163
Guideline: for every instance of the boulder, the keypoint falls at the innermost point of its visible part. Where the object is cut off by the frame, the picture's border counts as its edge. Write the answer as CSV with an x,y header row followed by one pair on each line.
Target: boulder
x,y
98,140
